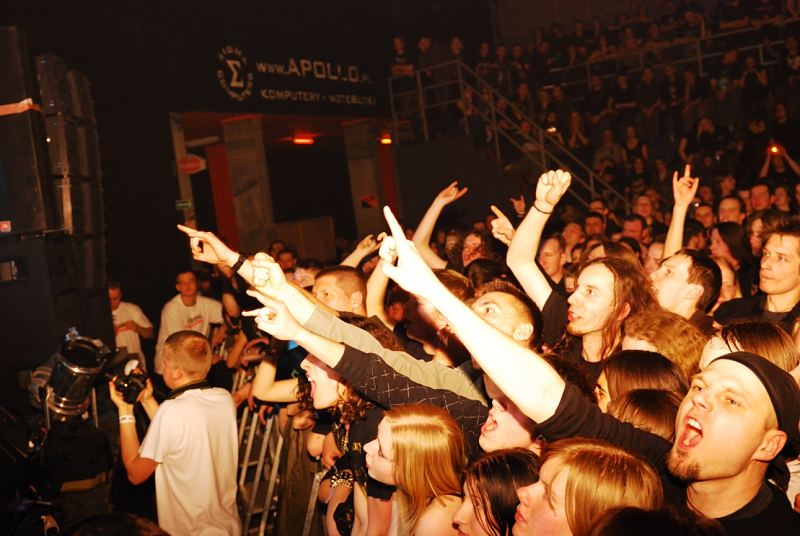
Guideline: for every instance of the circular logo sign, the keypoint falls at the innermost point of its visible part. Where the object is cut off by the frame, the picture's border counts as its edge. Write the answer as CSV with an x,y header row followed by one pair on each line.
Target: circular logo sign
x,y
234,75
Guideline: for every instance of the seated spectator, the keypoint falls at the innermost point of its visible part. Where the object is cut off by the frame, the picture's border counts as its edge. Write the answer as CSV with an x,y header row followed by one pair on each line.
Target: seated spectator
x,y
486,64
785,130
602,51
609,149
672,21
578,138
518,65
706,139
489,494
651,410
764,16
755,87
778,168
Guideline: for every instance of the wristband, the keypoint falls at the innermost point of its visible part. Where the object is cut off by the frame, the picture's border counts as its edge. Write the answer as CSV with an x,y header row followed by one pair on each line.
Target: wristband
x,y
127,418
239,263
540,210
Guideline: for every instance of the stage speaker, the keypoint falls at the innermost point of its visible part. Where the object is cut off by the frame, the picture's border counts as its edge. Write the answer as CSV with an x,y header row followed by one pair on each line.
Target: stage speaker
x,y
39,300
26,202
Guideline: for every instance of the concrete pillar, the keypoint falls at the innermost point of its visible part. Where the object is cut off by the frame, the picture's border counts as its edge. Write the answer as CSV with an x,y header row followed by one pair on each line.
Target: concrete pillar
x,y
252,198
361,145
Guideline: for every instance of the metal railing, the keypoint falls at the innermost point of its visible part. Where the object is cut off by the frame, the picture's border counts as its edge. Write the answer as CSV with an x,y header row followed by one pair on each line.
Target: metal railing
x,y
694,50
449,81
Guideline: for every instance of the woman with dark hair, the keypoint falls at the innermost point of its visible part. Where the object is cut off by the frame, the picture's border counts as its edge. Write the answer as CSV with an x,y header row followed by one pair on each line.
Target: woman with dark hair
x,y
483,271
490,491
638,369
729,240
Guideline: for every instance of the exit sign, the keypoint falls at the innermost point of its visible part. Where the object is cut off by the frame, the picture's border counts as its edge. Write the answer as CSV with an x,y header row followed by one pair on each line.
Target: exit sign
x,y
184,204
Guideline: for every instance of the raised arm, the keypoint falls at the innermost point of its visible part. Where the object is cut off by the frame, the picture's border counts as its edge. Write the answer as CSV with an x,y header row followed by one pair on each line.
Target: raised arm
x,y
683,190
364,248
422,236
267,389
522,251
522,374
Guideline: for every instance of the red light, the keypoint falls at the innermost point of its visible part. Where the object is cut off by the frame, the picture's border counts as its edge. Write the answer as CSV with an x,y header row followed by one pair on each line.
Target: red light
x,y
303,141
386,141
774,148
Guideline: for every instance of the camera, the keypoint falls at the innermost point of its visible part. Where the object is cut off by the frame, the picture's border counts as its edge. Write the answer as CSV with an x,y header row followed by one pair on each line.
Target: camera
x,y
130,381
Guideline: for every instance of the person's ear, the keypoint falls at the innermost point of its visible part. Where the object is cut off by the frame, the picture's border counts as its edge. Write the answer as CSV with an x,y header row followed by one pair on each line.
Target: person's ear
x,y
524,332
774,441
356,299
694,292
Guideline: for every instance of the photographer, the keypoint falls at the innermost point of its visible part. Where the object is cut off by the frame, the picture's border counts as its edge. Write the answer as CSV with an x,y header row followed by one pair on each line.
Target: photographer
x,y
191,443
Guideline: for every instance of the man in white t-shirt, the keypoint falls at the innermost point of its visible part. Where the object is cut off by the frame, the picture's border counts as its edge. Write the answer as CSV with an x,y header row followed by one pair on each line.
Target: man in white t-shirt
x,y
129,322
191,443
188,311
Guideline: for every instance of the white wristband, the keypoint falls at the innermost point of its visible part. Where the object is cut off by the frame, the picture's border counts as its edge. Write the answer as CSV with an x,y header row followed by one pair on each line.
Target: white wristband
x,y
127,418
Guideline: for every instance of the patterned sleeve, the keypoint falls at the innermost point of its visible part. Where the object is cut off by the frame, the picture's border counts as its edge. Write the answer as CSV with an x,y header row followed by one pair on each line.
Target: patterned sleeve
x,y
370,375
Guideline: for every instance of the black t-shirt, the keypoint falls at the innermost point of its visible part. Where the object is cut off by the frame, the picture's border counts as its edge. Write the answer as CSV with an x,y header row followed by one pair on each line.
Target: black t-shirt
x,y
727,12
761,10
577,417
554,314
726,74
755,308
405,83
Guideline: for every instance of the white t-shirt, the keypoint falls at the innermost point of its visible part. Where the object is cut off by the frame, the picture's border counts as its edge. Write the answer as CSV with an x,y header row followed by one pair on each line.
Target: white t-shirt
x,y
127,338
193,439
175,316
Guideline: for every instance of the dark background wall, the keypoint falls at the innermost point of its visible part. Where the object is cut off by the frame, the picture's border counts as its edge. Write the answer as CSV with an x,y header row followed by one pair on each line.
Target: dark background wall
x,y
148,58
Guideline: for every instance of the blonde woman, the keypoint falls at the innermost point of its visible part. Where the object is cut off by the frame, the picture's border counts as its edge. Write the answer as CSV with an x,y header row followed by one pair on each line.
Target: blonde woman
x,y
580,479
420,449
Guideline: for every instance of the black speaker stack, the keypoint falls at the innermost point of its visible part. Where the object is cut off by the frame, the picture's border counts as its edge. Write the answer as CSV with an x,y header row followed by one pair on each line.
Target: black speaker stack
x,y
52,234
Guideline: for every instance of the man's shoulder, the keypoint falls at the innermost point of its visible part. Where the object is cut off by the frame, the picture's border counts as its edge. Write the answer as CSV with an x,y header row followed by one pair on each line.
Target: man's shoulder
x,y
208,302
739,308
173,302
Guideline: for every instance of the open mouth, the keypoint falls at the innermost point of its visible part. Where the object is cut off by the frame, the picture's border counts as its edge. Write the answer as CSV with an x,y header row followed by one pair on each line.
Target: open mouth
x,y
490,425
572,317
692,433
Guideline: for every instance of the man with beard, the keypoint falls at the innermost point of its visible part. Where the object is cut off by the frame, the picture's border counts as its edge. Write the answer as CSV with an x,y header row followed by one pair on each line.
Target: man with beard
x,y
738,415
608,289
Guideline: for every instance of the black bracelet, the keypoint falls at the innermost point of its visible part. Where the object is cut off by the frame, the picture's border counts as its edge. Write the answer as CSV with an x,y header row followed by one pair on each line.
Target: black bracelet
x,y
537,210
239,263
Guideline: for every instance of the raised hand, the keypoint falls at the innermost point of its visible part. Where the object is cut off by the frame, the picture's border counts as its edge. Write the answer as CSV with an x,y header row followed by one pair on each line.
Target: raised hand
x,y
268,277
551,187
275,319
519,204
206,247
684,188
147,393
411,272
117,399
450,194
368,245
501,227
